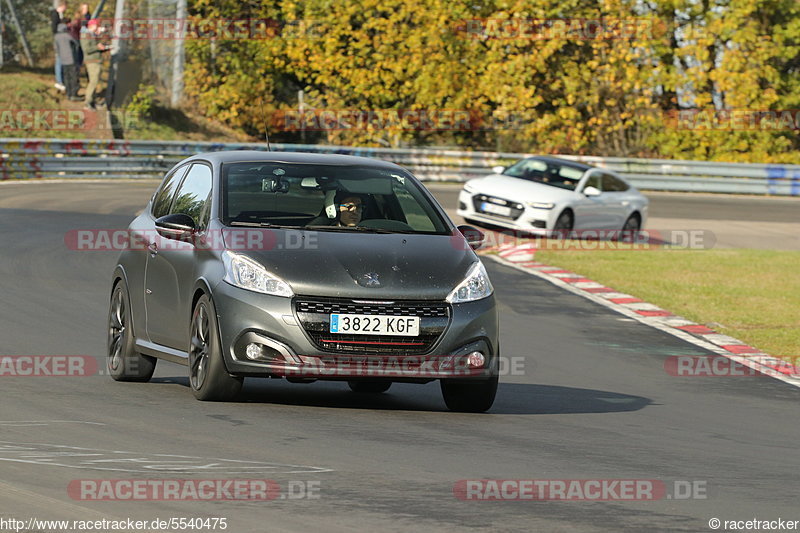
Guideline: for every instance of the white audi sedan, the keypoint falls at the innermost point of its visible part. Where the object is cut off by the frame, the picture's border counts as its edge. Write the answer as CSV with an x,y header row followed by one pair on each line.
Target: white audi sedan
x,y
544,194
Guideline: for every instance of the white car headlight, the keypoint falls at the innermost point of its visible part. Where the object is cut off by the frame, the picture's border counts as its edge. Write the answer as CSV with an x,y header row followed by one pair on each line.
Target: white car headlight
x,y
540,205
474,287
243,272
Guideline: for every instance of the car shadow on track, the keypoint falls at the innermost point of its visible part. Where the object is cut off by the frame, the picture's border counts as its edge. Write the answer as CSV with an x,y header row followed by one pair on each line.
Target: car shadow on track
x,y
516,398
512,398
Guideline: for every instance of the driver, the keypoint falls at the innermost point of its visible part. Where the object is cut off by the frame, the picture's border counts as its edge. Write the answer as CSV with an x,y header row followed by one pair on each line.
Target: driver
x,y
348,209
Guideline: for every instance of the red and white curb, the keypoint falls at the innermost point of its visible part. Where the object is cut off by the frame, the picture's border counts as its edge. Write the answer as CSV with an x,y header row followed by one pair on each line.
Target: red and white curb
x,y
522,258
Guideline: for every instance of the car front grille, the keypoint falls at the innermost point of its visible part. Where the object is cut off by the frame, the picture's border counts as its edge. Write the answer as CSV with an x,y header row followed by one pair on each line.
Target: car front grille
x,y
314,315
479,199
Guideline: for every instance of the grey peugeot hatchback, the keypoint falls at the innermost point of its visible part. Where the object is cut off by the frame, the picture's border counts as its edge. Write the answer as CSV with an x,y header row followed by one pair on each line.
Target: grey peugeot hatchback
x,y
305,267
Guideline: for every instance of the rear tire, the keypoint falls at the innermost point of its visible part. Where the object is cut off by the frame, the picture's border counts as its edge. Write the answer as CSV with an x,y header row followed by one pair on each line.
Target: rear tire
x,y
630,230
208,377
369,387
469,396
123,361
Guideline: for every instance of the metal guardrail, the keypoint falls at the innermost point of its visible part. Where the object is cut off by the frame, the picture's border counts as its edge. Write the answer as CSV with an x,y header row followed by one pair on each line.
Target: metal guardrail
x,y
63,158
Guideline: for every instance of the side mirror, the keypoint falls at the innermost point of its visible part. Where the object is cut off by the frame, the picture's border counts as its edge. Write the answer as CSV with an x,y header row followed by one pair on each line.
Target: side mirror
x,y
474,236
498,169
176,226
591,191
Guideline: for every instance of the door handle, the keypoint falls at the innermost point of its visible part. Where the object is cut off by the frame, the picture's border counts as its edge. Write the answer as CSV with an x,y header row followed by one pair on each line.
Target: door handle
x,y
153,247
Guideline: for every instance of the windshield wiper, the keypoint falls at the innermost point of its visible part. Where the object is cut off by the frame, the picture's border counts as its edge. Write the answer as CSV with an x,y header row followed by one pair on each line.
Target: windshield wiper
x,y
262,225
353,228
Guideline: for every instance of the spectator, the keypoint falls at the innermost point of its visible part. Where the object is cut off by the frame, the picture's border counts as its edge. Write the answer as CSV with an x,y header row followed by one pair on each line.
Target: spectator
x,y
77,25
93,56
66,51
56,18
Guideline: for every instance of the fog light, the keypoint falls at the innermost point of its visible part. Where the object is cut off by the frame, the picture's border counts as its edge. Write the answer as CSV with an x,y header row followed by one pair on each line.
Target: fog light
x,y
476,360
253,351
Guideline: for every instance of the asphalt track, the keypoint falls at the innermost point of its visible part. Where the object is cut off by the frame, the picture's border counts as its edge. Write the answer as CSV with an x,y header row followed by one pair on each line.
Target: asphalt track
x,y
593,401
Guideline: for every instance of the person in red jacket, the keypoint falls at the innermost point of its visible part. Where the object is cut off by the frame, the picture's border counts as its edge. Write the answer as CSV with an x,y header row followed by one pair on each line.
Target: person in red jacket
x,y
78,22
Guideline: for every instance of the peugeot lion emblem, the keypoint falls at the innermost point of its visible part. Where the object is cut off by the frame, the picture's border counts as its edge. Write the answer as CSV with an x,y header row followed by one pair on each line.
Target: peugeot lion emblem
x,y
371,279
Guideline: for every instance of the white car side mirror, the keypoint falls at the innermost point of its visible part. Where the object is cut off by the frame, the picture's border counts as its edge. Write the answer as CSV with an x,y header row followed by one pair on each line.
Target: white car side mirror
x,y
498,169
591,191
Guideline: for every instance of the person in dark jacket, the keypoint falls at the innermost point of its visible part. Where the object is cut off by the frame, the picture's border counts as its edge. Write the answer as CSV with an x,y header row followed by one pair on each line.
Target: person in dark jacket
x,y
56,18
66,51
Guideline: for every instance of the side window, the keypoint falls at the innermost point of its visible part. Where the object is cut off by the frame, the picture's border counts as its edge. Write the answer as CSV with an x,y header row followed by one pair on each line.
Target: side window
x,y
193,193
593,181
613,184
163,198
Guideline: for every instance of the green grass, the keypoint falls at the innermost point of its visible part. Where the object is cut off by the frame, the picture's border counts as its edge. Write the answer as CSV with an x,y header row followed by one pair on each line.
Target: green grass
x,y
32,89
175,125
753,295
24,90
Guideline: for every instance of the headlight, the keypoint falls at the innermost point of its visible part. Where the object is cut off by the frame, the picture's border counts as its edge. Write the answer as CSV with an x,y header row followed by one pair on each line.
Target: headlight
x,y
540,205
474,287
468,188
243,272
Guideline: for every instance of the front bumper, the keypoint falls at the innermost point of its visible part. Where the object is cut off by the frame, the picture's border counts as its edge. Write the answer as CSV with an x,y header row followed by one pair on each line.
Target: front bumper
x,y
533,220
247,317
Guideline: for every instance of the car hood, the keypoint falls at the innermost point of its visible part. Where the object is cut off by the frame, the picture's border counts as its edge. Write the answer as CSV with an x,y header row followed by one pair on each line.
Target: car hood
x,y
338,264
518,189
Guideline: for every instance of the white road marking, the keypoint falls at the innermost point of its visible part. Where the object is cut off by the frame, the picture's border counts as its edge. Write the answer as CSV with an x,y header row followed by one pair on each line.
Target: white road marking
x,y
124,461
31,423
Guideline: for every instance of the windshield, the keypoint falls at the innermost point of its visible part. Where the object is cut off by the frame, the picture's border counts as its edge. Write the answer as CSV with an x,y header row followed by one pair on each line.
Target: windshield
x,y
326,197
546,172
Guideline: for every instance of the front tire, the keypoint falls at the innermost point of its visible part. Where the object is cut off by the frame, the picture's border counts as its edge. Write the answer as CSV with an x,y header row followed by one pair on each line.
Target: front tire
x,y
124,362
563,225
469,396
208,377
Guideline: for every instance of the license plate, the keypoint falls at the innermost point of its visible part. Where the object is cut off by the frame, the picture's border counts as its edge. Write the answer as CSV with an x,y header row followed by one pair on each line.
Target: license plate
x,y
496,209
407,326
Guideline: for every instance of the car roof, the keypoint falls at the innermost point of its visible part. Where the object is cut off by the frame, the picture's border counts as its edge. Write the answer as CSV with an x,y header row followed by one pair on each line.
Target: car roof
x,y
563,162
235,156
